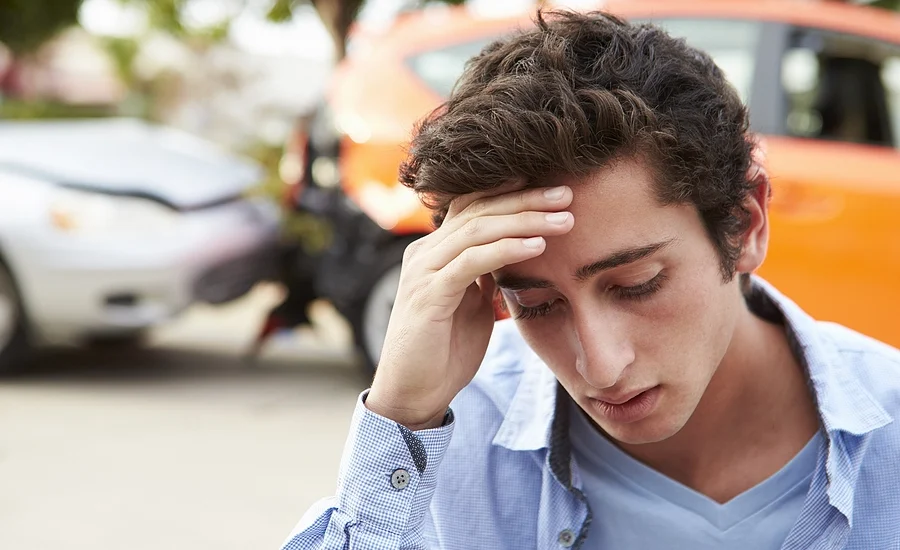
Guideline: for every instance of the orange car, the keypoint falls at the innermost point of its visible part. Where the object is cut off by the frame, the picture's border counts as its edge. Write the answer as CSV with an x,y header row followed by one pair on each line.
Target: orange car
x,y
821,79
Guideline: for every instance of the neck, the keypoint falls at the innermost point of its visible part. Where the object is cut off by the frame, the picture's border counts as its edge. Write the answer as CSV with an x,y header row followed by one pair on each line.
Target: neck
x,y
756,414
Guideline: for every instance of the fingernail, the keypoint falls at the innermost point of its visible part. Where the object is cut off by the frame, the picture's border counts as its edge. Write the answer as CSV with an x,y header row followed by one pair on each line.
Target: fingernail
x,y
557,218
533,242
555,193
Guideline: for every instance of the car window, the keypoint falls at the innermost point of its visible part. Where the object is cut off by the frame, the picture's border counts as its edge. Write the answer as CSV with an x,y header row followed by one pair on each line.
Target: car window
x,y
733,45
842,88
440,68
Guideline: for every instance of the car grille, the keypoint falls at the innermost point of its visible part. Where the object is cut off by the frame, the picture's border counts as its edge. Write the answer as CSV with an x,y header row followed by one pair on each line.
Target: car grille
x,y
232,279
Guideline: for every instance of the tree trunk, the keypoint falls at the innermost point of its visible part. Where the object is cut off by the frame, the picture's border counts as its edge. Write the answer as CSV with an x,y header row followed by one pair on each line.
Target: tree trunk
x,y
338,16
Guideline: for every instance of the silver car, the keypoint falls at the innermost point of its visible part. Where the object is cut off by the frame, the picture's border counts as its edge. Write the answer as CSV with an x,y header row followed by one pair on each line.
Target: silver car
x,y
109,227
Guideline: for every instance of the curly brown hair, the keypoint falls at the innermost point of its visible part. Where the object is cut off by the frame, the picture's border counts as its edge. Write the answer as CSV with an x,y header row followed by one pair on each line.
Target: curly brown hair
x,y
576,92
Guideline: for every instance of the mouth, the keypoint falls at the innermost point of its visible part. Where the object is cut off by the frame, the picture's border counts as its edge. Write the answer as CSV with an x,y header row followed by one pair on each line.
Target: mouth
x,y
622,397
627,407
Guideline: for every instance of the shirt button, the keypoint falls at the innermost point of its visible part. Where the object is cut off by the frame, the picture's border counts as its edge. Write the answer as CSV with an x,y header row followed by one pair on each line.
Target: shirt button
x,y
566,538
400,479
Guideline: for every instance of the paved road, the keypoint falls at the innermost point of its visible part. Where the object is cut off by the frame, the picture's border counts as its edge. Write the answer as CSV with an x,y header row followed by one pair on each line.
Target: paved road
x,y
179,446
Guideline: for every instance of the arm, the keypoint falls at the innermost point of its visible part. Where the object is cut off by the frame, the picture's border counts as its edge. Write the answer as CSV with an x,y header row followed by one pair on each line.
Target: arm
x,y
436,339
387,478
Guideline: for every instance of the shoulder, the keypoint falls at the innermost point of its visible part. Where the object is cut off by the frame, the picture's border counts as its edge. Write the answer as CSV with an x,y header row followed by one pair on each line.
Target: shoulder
x,y
877,367
876,363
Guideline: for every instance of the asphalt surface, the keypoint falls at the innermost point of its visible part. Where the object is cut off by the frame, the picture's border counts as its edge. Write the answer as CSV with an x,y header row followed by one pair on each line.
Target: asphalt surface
x,y
180,445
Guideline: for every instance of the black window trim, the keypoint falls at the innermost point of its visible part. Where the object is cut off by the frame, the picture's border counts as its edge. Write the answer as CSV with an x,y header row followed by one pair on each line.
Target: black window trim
x,y
792,31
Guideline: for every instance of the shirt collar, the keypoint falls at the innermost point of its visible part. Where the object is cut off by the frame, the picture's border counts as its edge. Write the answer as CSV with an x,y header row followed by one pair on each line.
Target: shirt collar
x,y
844,404
847,410
849,413
528,423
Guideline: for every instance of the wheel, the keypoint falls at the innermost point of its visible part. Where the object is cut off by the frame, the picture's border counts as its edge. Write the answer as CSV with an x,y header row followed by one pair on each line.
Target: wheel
x,y
369,317
118,341
14,344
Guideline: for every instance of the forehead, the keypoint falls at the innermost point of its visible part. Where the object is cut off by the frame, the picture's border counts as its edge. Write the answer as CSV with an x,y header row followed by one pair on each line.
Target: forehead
x,y
615,208
626,183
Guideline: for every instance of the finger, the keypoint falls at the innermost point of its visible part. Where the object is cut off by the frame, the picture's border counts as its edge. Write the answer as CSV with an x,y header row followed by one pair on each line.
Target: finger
x,y
491,295
488,287
548,199
472,302
486,229
476,261
462,202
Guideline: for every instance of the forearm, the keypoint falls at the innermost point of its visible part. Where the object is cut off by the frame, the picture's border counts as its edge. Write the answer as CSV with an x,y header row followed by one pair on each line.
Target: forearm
x,y
387,478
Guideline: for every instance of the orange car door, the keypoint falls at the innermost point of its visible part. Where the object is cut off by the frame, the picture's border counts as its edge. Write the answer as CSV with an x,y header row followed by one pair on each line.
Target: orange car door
x,y
835,209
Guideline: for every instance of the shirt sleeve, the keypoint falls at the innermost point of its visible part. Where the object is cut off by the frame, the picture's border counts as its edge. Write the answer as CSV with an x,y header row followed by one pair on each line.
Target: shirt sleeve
x,y
387,477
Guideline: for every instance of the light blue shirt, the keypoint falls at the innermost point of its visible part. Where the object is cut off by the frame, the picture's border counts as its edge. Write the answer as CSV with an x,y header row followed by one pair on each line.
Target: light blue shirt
x,y
499,474
637,508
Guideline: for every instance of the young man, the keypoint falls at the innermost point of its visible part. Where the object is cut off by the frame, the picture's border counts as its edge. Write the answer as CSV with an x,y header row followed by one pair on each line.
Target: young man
x,y
650,392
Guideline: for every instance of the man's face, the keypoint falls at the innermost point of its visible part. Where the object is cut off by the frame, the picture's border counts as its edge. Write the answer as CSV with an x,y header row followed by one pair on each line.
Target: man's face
x,y
629,309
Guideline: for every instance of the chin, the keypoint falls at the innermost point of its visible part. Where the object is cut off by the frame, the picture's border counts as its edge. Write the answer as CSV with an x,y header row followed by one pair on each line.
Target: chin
x,y
653,429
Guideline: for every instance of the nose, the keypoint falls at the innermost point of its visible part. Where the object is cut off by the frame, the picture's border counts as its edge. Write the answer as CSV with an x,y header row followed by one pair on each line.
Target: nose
x,y
603,349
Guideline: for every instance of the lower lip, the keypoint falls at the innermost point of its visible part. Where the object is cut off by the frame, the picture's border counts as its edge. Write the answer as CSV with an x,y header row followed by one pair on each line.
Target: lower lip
x,y
636,408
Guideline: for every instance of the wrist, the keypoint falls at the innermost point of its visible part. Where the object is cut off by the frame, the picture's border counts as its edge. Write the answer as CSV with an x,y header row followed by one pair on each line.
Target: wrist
x,y
412,418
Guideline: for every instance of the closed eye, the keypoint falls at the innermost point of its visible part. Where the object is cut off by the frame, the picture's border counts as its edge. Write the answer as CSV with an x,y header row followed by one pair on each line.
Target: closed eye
x,y
635,293
641,291
534,312
523,312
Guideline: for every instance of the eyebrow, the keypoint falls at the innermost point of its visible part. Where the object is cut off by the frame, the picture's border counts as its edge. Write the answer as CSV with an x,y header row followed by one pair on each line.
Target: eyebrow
x,y
620,258
616,259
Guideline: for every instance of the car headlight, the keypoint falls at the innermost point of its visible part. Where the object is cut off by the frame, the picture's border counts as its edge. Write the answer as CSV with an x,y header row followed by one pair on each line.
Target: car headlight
x,y
75,211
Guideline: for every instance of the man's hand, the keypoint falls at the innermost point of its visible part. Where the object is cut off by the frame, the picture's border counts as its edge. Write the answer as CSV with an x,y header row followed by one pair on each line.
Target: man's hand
x,y
442,318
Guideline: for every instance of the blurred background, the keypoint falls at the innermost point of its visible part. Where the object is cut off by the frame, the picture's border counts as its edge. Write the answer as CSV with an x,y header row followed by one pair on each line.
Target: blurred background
x,y
201,230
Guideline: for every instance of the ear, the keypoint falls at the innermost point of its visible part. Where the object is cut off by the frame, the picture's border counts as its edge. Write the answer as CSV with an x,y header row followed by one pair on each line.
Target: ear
x,y
756,238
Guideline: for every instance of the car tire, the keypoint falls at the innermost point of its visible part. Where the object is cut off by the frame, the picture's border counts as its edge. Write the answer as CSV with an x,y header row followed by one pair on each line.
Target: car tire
x,y
15,348
370,315
121,341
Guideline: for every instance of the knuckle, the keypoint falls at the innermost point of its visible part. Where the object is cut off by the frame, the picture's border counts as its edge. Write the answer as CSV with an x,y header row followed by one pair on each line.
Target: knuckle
x,y
442,280
411,249
477,208
462,263
510,248
536,219
417,292
472,227
525,199
416,295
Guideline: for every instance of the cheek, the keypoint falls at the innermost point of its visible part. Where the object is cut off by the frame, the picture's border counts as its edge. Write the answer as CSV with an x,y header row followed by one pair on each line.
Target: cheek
x,y
553,342
690,329
673,329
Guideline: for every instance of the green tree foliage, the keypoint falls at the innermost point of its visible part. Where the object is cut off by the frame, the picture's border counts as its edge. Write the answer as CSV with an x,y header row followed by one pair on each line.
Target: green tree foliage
x,y
25,24
888,4
337,16
166,15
